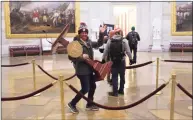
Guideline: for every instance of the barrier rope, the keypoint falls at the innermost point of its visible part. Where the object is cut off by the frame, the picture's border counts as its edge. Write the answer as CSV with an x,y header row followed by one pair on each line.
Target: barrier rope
x,y
15,65
28,95
120,107
180,61
127,67
66,79
184,90
139,65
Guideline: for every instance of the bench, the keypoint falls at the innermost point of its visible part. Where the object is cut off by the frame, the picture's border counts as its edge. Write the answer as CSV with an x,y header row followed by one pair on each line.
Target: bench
x,y
181,47
24,50
61,50
32,50
15,51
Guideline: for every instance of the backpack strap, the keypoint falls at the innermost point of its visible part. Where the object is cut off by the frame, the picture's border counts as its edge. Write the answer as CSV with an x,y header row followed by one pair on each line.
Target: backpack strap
x,y
134,34
109,47
123,47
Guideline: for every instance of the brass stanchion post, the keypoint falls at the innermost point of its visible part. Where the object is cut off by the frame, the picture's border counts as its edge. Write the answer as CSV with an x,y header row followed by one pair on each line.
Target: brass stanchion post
x,y
182,49
172,96
61,78
34,75
157,76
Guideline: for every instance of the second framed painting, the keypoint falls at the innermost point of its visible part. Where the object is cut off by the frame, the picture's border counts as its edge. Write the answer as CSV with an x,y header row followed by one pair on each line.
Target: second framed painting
x,y
40,19
181,19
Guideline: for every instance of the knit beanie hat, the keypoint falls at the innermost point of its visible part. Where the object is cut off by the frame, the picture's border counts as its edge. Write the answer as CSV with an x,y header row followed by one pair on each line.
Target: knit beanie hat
x,y
111,33
133,28
118,31
82,28
115,31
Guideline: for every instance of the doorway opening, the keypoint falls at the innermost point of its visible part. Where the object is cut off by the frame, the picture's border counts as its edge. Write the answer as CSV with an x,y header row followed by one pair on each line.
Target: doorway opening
x,y
125,17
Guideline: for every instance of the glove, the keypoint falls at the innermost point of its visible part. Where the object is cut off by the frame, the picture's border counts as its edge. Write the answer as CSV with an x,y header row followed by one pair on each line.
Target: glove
x,y
103,61
131,61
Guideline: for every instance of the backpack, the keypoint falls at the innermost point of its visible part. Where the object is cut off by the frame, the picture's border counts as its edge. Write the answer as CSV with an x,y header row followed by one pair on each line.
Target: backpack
x,y
133,38
116,53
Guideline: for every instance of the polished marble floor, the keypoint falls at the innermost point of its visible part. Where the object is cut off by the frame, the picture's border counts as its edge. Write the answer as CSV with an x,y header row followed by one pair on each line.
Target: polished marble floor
x,y
139,82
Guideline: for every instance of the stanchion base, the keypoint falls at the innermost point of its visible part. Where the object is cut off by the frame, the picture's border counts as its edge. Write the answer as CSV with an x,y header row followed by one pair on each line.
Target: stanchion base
x,y
37,95
190,107
159,93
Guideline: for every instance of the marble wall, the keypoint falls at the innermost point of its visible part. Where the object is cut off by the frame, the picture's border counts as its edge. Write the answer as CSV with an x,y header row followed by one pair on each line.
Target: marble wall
x,y
166,27
104,12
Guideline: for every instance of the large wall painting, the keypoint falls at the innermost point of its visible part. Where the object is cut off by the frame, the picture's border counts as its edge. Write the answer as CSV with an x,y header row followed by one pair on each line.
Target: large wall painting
x,y
181,19
40,19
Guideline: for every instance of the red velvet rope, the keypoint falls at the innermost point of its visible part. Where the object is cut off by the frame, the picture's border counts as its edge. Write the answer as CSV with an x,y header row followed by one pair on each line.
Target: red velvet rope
x,y
28,95
139,65
127,67
134,66
53,76
180,61
47,73
184,90
14,65
69,77
121,107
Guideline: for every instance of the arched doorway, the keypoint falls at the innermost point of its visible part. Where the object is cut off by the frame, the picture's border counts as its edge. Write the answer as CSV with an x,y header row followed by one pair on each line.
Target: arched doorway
x,y
125,16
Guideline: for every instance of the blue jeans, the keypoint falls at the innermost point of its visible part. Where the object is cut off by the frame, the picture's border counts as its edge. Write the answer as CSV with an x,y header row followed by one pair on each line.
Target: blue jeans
x,y
118,69
88,85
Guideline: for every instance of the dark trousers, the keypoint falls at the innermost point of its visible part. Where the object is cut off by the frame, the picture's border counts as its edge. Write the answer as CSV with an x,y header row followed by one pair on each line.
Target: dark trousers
x,y
88,85
133,48
118,69
109,80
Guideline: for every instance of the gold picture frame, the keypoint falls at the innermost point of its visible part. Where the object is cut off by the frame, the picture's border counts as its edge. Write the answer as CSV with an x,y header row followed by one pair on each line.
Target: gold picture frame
x,y
174,31
10,35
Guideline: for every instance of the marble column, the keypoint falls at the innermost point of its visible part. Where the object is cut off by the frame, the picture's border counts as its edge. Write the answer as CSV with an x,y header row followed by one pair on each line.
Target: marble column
x,y
156,26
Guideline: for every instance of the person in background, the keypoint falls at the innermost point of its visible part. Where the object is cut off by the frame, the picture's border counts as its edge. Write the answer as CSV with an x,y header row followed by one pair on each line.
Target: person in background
x,y
116,47
84,71
133,38
106,38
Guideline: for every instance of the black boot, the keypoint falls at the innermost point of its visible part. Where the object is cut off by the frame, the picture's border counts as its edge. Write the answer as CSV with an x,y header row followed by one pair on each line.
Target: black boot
x,y
113,94
121,92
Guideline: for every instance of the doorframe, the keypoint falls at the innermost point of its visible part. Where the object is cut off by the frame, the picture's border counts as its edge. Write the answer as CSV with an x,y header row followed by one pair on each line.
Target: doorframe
x,y
136,4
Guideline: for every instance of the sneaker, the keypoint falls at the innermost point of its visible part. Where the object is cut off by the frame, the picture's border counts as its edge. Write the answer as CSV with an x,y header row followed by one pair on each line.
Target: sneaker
x,y
73,108
121,92
92,108
113,94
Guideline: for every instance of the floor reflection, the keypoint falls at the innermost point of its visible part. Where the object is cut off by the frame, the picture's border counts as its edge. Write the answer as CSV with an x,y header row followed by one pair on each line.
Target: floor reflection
x,y
139,83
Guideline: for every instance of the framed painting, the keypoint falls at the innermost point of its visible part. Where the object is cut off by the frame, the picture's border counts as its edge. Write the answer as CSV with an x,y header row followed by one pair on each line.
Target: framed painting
x,y
33,19
181,22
